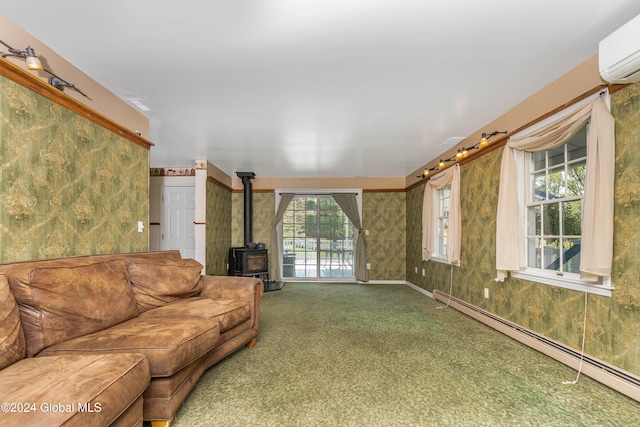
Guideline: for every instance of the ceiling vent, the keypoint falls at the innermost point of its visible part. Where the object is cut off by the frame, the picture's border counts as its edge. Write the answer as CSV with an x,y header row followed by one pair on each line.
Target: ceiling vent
x,y
619,54
454,140
139,104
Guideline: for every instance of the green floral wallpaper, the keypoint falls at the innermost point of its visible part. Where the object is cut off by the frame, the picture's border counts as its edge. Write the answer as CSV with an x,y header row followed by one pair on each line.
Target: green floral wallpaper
x,y
384,215
218,228
613,328
67,185
263,211
414,263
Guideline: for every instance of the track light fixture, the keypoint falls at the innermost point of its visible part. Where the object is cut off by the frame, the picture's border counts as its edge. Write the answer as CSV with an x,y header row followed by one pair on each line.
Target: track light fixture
x,y
462,153
60,84
485,138
33,63
29,55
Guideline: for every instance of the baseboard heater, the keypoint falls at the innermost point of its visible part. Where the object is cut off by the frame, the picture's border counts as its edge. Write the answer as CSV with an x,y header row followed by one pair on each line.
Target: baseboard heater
x,y
616,378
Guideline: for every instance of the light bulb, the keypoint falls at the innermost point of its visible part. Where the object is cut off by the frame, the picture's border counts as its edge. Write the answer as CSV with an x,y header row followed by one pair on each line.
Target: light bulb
x,y
484,141
33,63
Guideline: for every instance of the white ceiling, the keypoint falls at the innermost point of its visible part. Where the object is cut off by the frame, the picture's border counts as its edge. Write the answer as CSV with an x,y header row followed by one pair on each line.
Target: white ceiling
x,y
320,88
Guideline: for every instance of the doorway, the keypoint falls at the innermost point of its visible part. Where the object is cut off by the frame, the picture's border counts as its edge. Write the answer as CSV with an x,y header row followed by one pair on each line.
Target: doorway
x,y
178,207
317,239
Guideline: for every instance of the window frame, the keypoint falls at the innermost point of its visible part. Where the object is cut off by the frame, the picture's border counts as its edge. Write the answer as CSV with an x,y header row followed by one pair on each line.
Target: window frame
x,y
450,176
530,171
440,238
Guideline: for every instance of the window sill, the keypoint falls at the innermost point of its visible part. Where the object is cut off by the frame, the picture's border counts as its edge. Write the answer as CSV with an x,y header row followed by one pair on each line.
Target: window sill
x,y
443,260
573,283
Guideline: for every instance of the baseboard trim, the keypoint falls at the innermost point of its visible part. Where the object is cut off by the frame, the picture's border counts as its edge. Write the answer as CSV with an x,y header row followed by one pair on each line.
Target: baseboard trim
x,y
419,289
383,282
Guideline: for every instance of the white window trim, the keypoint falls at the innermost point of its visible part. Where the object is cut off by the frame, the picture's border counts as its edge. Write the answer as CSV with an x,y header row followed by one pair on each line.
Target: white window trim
x,y
560,279
441,258
564,280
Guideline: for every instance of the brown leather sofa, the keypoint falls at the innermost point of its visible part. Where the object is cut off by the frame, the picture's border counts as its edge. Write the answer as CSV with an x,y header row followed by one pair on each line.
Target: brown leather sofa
x,y
130,333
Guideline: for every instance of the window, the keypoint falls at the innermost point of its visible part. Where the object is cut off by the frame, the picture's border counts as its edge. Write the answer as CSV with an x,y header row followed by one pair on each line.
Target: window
x,y
555,210
441,223
554,222
441,205
554,205
554,182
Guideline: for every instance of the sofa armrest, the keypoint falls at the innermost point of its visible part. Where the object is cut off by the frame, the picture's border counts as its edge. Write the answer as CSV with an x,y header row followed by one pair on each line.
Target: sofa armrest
x,y
246,289
231,287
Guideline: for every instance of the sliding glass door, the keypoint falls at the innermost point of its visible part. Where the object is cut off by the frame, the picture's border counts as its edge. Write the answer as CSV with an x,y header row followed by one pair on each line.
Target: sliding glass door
x,y
317,239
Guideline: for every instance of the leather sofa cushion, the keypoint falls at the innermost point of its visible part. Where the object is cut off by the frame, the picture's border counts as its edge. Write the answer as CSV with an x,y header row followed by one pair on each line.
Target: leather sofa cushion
x,y
228,313
169,344
159,282
110,382
72,301
12,343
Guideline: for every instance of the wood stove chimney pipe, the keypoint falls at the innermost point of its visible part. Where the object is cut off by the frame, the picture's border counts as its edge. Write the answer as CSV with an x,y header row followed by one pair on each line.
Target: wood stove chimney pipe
x,y
248,204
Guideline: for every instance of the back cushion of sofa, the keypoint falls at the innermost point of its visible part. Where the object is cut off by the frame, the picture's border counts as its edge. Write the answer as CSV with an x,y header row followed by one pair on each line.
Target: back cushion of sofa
x,y
157,283
71,301
12,344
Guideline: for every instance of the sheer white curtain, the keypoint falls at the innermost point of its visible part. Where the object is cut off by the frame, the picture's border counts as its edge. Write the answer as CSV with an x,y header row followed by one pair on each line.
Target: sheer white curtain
x,y
454,236
597,207
275,244
349,205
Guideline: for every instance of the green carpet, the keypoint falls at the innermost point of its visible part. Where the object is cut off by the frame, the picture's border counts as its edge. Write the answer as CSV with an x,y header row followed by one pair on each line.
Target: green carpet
x,y
385,355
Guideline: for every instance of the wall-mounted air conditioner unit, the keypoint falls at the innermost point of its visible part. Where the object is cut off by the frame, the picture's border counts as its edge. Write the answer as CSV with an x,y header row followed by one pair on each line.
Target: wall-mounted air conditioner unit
x,y
619,54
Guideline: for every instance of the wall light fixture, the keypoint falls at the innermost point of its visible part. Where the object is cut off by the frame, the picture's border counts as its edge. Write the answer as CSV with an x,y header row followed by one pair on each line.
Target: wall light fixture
x,y
33,63
60,84
29,55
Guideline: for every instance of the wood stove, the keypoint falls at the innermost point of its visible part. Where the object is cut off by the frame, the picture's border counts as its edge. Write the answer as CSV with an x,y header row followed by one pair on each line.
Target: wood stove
x,y
250,260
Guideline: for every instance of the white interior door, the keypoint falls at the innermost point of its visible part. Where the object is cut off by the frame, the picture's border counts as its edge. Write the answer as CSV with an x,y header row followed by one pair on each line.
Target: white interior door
x,y
178,229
